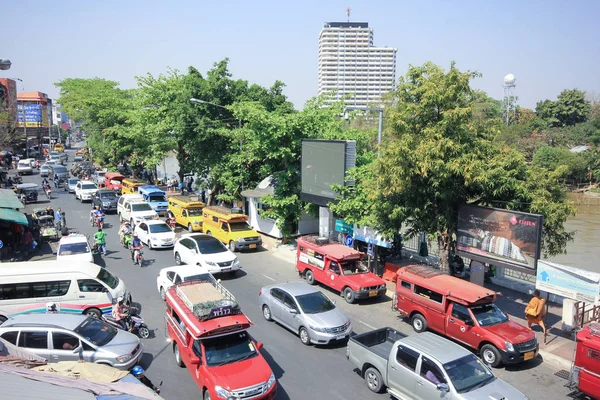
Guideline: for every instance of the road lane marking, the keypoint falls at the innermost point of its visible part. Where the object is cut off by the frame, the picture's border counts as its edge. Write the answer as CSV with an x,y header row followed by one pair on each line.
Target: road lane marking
x,y
367,325
268,277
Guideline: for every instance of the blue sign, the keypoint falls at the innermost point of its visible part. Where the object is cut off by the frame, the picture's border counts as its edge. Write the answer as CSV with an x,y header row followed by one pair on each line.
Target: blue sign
x,y
569,282
1,244
343,227
33,112
370,250
349,240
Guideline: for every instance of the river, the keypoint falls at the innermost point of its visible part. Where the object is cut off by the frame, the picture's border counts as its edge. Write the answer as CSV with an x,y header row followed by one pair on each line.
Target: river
x,y
584,251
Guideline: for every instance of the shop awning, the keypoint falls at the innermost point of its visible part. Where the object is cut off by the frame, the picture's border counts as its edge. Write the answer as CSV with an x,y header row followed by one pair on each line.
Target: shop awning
x,y
9,199
6,214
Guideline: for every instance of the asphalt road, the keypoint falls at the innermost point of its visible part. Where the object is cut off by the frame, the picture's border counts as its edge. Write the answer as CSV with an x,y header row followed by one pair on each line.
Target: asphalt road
x,y
302,372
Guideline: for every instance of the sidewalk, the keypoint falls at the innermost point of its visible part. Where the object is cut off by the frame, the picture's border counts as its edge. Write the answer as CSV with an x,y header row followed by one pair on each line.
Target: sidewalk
x,y
559,348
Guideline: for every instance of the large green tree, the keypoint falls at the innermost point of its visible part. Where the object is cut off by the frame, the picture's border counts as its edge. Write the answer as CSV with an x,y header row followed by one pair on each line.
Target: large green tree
x,y
569,109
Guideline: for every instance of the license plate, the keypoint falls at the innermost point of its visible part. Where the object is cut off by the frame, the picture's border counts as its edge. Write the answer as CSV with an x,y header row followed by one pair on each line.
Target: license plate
x,y
253,246
373,293
226,269
342,337
529,355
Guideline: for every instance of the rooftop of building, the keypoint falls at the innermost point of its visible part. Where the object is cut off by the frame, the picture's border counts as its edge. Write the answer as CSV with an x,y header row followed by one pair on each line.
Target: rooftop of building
x,y
32,96
346,25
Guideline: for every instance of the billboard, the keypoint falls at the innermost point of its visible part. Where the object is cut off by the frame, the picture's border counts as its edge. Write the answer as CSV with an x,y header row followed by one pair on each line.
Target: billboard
x,y
325,163
572,283
505,238
30,114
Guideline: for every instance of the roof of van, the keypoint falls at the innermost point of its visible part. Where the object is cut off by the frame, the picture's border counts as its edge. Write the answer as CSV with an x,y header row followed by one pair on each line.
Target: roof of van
x,y
436,347
46,267
457,289
333,250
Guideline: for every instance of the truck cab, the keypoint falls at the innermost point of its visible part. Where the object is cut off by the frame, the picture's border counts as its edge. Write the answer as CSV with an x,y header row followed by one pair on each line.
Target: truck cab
x,y
209,335
338,267
155,197
464,312
230,227
112,181
585,374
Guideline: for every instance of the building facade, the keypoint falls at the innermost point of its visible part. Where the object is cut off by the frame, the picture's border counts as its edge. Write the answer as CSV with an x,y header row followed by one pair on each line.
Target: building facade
x,y
350,65
34,112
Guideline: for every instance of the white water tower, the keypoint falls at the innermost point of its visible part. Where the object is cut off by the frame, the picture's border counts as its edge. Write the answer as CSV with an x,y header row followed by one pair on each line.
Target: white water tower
x,y
509,100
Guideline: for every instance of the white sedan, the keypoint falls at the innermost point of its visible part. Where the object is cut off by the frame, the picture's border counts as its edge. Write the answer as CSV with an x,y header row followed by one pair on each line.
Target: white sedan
x,y
84,190
170,276
205,251
155,234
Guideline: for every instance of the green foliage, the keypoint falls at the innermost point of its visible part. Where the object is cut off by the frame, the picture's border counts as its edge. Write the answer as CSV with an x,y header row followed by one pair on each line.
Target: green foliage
x,y
553,158
569,109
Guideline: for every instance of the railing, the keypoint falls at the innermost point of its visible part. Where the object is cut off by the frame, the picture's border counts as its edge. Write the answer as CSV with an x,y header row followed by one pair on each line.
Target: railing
x,y
519,275
584,315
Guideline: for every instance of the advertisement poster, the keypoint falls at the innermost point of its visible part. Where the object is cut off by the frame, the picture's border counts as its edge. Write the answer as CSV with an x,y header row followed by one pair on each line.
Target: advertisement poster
x,y
572,283
500,237
30,113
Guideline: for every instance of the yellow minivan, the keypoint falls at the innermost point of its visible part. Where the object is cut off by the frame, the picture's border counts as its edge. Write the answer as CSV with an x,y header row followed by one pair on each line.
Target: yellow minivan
x,y
130,185
187,211
230,227
59,147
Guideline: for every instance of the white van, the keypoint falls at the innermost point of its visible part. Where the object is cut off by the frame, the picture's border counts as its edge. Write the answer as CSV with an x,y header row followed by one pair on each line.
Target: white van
x,y
75,287
24,167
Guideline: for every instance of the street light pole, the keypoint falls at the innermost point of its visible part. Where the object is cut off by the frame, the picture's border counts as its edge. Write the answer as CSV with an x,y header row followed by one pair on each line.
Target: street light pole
x,y
5,64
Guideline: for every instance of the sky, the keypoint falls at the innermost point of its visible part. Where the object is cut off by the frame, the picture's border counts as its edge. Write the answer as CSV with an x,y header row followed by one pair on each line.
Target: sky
x,y
549,45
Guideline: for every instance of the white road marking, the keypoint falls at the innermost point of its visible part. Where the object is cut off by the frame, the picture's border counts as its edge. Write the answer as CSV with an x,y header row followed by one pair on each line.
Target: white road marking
x,y
367,325
268,277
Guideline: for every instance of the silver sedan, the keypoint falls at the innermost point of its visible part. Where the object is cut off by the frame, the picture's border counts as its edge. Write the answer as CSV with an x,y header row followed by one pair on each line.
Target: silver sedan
x,y
305,311
70,185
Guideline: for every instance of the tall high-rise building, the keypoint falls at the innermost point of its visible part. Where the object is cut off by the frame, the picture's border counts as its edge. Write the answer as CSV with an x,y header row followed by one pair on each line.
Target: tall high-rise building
x,y
350,64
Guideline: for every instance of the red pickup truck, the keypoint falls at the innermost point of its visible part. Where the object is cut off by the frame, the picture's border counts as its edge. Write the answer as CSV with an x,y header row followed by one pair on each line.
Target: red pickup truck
x,y
464,312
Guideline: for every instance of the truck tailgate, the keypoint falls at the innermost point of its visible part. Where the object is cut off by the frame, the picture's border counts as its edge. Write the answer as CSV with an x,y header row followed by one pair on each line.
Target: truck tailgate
x,y
373,348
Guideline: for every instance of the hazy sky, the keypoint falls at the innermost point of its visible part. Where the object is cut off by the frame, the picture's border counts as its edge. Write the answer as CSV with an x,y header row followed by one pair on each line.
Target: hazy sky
x,y
548,45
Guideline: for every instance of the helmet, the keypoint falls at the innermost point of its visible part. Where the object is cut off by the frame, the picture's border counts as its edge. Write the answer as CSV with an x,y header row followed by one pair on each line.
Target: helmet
x,y
135,234
137,370
120,299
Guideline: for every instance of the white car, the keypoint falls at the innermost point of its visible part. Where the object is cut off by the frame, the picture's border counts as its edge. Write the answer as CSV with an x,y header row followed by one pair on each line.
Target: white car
x,y
170,276
74,247
84,190
24,167
206,251
133,208
155,234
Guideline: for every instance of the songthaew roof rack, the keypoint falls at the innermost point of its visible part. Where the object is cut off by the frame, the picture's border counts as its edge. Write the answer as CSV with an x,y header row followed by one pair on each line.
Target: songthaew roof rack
x,y
595,329
423,271
225,210
318,240
207,298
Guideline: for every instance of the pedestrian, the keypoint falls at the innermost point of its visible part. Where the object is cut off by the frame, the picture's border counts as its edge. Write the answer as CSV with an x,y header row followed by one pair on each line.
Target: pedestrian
x,y
58,218
55,182
100,238
189,184
180,187
203,196
27,240
64,219
535,311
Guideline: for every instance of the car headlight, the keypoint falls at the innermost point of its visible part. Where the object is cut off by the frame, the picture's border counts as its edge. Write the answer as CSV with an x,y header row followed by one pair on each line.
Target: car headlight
x,y
382,286
222,393
105,204
124,358
509,346
212,264
362,289
240,240
271,381
153,238
316,328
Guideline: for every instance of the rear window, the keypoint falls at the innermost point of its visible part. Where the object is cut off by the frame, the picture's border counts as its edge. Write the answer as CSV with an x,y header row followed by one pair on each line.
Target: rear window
x,y
25,164
59,169
69,249
210,245
109,279
141,207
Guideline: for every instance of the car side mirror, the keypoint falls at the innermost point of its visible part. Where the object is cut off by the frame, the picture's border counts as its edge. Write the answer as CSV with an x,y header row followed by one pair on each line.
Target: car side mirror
x,y
195,360
77,349
293,311
443,387
259,346
469,322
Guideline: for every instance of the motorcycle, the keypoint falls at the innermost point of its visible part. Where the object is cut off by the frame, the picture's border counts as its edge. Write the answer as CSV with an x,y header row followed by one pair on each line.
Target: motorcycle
x,y
126,239
98,221
48,192
135,324
138,257
171,222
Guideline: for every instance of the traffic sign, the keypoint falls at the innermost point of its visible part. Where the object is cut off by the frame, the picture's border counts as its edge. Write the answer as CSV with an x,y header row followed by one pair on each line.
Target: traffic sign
x,y
342,226
370,250
349,240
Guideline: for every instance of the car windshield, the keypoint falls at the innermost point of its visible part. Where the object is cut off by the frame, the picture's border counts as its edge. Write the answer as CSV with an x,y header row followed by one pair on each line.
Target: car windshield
x,y
159,228
108,195
468,373
108,278
96,331
195,212
209,245
50,163
69,249
157,198
25,164
73,181
228,349
353,268
60,170
315,303
489,314
200,277
141,207
88,186
239,226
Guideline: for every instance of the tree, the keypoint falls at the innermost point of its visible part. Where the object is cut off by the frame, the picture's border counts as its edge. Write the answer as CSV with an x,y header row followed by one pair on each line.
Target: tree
x,y
524,115
569,109
8,127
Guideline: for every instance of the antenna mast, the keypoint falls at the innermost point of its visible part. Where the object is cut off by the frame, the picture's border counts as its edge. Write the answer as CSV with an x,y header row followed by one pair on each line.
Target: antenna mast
x,y
348,13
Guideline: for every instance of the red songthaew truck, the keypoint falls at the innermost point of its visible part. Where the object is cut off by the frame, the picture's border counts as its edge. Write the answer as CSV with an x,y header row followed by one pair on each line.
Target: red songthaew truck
x,y
585,375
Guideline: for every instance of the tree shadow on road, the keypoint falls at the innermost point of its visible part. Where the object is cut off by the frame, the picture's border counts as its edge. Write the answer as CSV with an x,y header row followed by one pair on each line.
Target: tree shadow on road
x,y
278,372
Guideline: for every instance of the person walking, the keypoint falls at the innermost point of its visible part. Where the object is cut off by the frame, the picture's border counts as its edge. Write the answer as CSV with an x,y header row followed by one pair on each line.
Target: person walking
x,y
535,311
189,184
58,219
100,238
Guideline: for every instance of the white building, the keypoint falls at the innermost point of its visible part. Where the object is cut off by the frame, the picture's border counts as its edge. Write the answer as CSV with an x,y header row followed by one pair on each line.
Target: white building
x,y
350,64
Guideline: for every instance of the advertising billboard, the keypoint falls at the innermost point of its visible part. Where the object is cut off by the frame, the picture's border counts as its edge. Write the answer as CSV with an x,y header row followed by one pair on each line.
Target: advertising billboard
x,y
30,114
505,238
325,163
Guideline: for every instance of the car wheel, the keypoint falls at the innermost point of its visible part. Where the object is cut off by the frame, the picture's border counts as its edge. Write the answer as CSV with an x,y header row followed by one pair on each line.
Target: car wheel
x,y
349,295
131,222
419,323
163,294
178,360
206,395
309,277
149,245
304,336
94,313
190,228
178,259
491,355
374,380
144,332
267,313
232,246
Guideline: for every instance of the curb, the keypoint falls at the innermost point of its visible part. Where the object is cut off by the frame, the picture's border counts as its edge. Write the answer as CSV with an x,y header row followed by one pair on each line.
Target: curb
x,y
558,361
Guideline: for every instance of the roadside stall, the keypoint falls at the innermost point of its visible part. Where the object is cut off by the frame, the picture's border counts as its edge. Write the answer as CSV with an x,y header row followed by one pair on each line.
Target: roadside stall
x,y
12,223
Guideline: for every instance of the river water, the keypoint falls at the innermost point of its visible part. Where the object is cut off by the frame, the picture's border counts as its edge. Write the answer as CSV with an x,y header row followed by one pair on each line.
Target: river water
x,y
584,251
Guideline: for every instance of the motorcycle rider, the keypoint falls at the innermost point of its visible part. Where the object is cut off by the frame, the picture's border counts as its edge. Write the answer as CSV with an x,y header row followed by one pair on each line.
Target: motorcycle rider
x,y
95,214
136,244
100,238
119,313
138,372
125,229
45,182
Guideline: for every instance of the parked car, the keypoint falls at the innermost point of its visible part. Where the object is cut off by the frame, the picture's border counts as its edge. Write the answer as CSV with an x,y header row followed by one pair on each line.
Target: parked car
x,y
84,190
98,178
105,199
305,311
74,247
155,234
71,184
170,276
134,209
424,366
67,337
206,251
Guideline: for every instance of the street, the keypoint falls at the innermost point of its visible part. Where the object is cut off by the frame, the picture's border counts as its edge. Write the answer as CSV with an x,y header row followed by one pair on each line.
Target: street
x,y
302,372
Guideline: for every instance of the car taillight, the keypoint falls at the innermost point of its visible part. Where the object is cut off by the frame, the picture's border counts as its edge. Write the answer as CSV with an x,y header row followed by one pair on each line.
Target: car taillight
x,y
260,292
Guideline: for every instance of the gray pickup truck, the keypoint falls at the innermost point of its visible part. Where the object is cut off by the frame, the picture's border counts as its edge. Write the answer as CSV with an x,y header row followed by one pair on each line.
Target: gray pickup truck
x,y
424,366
